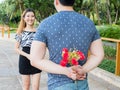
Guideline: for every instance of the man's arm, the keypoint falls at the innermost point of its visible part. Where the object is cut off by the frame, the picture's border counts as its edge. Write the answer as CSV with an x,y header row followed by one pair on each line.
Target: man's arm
x,y
95,58
37,53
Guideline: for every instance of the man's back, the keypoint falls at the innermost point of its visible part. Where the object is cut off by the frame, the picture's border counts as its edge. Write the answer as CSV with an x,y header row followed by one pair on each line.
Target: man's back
x,y
66,29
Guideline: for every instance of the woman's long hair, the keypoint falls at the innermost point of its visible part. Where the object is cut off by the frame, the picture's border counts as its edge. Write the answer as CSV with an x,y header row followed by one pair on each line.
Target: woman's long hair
x,y
22,23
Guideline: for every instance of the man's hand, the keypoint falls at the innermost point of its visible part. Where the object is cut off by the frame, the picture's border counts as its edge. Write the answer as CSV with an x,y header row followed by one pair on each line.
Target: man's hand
x,y
72,73
80,74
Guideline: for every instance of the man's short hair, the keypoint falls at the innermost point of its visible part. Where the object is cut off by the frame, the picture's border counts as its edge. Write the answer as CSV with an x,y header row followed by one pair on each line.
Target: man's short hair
x,y
67,2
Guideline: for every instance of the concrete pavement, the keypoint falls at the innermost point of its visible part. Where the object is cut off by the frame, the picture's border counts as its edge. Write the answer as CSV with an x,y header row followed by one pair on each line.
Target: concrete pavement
x,y
10,79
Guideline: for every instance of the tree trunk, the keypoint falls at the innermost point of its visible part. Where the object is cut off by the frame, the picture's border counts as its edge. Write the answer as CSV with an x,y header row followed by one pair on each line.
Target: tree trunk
x,y
93,16
88,13
21,5
108,12
116,17
97,12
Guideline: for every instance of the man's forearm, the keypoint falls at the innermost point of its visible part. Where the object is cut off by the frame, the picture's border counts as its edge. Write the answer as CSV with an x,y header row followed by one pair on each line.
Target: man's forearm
x,y
49,66
92,63
96,56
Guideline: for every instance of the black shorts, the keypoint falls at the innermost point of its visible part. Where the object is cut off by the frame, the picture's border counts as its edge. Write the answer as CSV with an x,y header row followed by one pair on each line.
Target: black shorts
x,y
25,67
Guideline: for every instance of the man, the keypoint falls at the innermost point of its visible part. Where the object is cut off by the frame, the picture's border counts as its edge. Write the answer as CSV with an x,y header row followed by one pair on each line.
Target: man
x,y
66,29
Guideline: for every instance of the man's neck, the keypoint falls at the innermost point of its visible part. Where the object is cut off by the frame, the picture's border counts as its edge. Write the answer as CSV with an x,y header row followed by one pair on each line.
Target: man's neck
x,y
65,8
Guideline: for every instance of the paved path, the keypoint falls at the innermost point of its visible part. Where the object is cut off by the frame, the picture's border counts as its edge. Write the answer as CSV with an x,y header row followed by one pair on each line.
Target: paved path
x,y
10,79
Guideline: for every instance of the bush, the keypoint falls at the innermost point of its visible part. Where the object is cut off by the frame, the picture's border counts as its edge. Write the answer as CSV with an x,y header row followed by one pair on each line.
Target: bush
x,y
13,25
108,65
110,52
109,31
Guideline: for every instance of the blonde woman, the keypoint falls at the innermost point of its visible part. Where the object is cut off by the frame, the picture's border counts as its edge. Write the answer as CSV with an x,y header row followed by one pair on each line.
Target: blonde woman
x,y
24,37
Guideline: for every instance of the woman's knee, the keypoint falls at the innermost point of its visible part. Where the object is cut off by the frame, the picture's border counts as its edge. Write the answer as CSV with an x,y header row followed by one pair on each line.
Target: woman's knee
x,y
36,81
26,82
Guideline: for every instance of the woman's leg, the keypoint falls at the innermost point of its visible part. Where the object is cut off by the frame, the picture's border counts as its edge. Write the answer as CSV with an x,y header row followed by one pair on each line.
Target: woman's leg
x,y
26,82
36,81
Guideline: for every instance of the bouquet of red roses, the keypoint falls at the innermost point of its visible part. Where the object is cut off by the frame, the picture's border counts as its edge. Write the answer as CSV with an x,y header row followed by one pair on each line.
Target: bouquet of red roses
x,y
71,57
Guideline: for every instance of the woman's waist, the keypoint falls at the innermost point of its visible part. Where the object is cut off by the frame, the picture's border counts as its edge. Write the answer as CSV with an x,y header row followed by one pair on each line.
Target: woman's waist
x,y
26,49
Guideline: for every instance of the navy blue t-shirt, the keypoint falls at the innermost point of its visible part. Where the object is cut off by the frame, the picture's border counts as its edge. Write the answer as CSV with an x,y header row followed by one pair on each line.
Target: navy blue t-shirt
x,y
65,29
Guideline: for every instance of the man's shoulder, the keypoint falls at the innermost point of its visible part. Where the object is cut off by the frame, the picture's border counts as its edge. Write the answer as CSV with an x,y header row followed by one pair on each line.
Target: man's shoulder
x,y
83,17
86,18
48,19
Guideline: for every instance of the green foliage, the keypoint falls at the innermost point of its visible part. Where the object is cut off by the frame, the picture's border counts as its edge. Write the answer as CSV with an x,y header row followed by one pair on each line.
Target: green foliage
x,y
109,31
12,9
43,8
78,5
110,52
108,65
13,25
13,31
118,22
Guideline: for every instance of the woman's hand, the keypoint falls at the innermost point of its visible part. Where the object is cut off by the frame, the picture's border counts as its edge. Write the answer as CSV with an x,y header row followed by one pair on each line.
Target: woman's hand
x,y
27,56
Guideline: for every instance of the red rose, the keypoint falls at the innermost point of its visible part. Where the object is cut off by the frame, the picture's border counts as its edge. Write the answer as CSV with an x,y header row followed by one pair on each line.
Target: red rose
x,y
63,63
79,53
64,50
74,61
71,57
82,57
65,55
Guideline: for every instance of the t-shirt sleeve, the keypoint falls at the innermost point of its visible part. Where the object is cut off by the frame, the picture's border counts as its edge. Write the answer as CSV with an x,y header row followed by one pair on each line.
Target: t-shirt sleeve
x,y
18,38
96,34
40,34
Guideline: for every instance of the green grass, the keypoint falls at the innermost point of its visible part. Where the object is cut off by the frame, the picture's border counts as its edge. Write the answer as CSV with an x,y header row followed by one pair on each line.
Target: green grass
x,y
108,65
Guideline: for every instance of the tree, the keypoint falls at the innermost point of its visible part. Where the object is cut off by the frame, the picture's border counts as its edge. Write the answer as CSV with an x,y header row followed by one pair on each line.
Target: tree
x,y
87,7
108,11
102,11
43,8
116,4
97,11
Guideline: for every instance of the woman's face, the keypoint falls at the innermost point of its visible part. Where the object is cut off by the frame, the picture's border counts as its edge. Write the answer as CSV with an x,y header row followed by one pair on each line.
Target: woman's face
x,y
29,18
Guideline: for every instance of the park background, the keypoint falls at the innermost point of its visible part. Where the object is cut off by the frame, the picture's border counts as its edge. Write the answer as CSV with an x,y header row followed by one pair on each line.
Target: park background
x,y
104,13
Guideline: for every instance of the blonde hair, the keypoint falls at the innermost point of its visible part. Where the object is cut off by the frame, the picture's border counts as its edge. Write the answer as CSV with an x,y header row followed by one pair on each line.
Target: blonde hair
x,y
22,23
